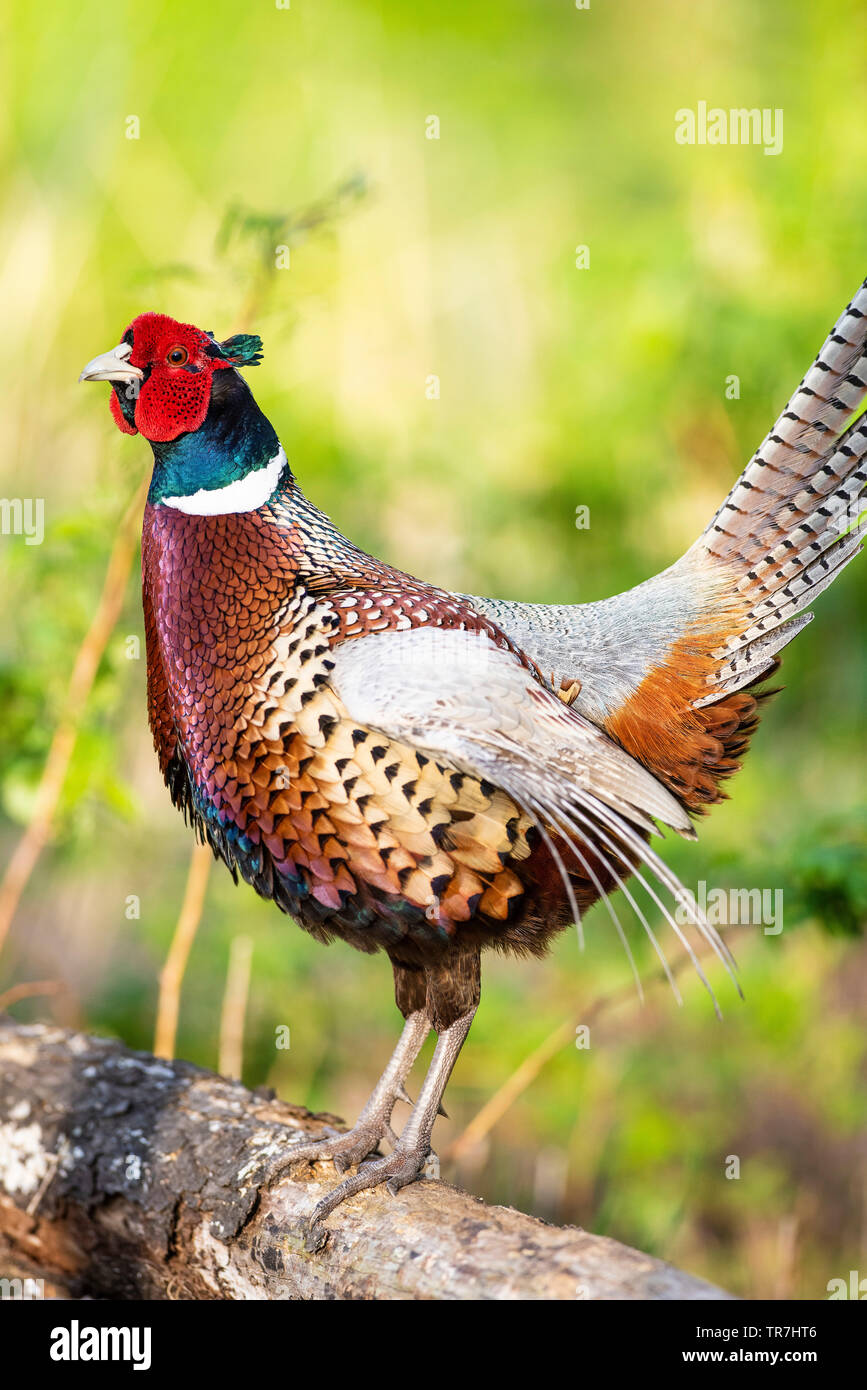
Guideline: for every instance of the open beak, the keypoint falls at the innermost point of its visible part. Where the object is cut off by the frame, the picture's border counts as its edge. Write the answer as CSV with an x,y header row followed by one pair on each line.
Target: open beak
x,y
112,366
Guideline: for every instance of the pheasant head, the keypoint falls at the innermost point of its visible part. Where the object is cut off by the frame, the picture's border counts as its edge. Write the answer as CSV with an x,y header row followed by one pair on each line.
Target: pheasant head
x,y
179,387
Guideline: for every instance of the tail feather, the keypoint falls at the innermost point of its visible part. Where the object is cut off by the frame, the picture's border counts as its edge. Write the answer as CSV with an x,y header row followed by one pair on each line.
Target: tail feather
x,y
789,526
670,668
803,447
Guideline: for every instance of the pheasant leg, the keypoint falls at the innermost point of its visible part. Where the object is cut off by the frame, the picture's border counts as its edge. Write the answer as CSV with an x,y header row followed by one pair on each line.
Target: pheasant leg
x,y
404,1164
374,1122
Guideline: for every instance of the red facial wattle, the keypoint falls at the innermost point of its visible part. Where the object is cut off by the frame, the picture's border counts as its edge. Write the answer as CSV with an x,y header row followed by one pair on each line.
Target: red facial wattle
x,y
172,403
178,364
118,416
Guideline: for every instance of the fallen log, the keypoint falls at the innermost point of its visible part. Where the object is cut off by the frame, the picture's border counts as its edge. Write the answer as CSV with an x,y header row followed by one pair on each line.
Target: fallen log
x,y
123,1176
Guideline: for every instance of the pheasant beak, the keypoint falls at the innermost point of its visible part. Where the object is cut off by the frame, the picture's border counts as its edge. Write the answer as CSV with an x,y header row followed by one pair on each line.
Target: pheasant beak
x,y
112,366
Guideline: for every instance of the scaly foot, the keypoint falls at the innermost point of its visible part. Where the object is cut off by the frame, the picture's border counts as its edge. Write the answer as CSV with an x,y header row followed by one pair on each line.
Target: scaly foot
x,y
411,1150
374,1122
396,1170
344,1149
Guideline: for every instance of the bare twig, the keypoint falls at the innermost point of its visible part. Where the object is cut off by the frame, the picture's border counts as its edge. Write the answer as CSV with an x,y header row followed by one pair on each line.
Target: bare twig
x,y
234,1009
172,973
30,989
52,1163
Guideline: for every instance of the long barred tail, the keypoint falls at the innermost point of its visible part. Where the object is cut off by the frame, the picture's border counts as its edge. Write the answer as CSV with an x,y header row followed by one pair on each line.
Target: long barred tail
x,y
669,668
790,523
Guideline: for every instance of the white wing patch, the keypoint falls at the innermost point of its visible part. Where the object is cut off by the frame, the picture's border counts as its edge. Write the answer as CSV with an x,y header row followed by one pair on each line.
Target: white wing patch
x,y
463,700
460,697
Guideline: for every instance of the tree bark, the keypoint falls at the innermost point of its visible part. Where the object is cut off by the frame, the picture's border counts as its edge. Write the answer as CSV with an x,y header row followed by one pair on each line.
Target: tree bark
x,y
123,1176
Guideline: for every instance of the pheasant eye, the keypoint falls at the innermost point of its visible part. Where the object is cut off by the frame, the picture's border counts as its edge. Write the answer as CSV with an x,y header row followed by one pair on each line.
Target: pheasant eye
x,y
178,356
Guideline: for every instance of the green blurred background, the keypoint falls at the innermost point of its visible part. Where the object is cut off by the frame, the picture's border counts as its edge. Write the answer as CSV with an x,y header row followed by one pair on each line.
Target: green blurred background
x,y
410,258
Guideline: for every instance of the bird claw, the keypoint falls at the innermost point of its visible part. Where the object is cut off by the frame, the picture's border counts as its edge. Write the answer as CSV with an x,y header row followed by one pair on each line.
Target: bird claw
x,y
315,1237
344,1148
396,1170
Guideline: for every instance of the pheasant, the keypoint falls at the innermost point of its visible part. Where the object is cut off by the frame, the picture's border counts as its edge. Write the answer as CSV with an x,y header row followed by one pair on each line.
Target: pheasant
x,y
433,774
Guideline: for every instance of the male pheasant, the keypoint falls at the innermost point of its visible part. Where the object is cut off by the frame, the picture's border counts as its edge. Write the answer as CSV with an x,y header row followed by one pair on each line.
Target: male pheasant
x,y
432,774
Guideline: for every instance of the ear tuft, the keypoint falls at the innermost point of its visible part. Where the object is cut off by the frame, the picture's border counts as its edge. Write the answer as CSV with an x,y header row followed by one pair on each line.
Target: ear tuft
x,y
242,350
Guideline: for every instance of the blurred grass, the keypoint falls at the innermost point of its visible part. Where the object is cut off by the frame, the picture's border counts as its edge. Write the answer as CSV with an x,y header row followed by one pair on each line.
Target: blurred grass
x,y
558,387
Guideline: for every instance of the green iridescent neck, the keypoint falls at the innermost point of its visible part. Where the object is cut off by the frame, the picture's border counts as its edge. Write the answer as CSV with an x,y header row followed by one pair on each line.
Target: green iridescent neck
x,y
235,440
